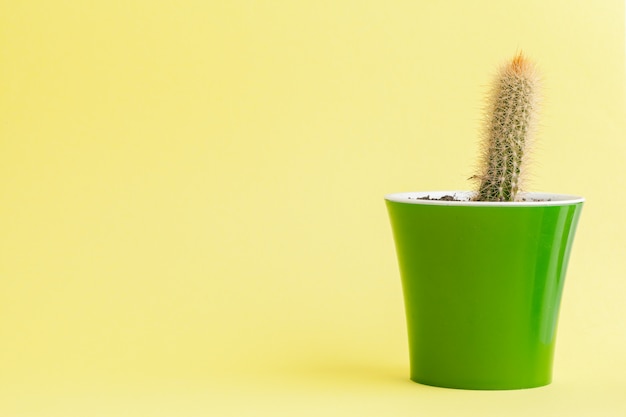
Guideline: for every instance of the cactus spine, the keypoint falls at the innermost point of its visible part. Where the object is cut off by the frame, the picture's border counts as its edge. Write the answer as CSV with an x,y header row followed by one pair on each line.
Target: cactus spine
x,y
510,121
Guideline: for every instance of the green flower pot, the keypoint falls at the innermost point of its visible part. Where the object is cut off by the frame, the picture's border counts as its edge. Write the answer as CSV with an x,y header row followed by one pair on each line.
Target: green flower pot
x,y
482,285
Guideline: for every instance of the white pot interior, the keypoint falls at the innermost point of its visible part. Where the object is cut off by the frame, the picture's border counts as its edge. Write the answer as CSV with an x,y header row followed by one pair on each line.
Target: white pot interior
x,y
464,198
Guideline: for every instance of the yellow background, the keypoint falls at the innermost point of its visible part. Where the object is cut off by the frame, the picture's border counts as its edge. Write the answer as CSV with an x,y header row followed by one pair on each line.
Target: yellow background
x,y
191,199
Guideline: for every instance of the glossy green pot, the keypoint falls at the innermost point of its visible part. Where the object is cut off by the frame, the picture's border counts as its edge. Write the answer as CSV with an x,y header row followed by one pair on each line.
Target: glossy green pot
x,y
482,286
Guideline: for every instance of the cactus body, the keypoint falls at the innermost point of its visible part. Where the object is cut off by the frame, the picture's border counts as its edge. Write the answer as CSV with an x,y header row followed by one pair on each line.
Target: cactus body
x,y
510,123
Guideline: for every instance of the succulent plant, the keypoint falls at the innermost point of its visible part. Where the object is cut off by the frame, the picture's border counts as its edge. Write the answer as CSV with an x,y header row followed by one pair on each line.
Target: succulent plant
x,y
510,122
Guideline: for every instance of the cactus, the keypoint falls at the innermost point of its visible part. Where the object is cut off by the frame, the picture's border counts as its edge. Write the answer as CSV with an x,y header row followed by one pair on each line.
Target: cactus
x,y
510,123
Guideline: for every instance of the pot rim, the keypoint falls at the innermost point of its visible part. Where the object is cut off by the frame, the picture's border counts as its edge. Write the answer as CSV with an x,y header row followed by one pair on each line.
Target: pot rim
x,y
463,198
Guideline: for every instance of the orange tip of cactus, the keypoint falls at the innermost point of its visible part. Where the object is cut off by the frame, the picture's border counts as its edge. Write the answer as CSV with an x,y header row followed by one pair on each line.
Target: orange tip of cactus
x,y
519,63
